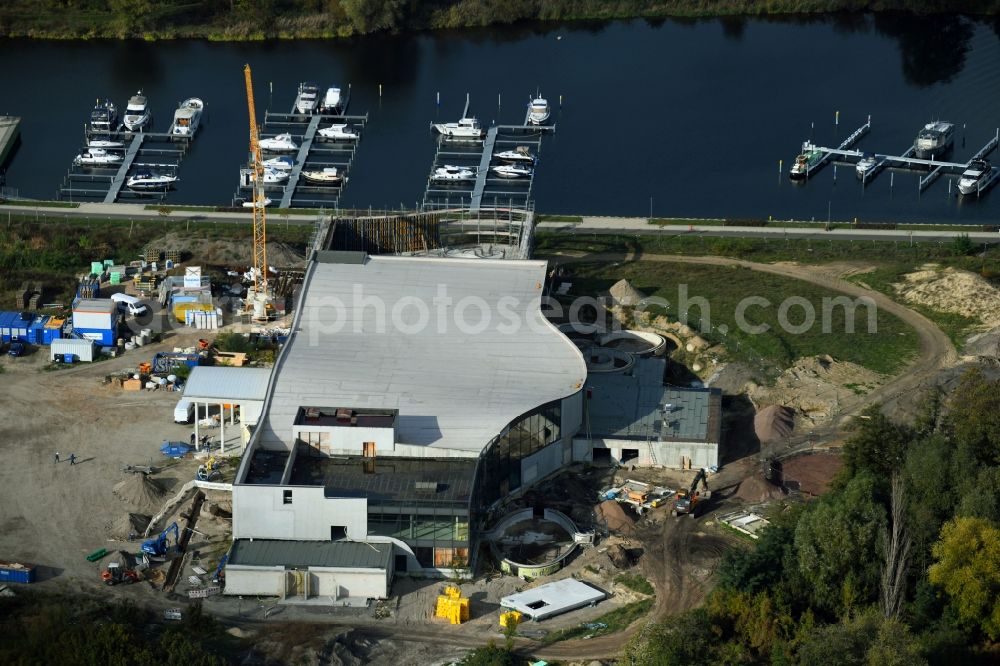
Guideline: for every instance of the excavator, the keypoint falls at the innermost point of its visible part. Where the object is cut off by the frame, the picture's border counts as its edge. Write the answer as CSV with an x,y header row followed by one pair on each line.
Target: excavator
x,y
158,547
686,500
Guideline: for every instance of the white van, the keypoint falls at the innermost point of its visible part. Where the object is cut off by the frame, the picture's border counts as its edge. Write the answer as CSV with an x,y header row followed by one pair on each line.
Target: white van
x,y
184,411
129,304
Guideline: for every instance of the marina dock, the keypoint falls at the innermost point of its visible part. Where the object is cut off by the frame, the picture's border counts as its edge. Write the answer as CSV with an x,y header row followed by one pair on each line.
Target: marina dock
x,y
314,152
851,139
10,132
937,167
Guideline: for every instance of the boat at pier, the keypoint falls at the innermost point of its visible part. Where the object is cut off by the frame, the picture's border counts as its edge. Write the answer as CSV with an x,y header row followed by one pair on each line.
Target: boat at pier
x,y
519,154
979,175
325,176
865,164
539,111
465,128
187,117
339,132
104,117
934,140
803,163
148,181
453,174
512,171
307,98
97,157
137,114
282,143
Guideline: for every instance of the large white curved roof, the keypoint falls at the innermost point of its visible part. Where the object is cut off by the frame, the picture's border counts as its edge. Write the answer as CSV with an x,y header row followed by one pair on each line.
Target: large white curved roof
x,y
412,333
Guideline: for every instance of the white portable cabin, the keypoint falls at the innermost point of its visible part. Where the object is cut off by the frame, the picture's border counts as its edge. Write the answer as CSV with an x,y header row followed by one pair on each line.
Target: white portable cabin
x,y
82,350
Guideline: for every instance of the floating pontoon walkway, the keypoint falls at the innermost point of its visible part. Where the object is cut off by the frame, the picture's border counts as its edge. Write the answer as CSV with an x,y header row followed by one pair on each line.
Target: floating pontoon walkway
x,y
10,130
119,179
905,160
851,139
300,160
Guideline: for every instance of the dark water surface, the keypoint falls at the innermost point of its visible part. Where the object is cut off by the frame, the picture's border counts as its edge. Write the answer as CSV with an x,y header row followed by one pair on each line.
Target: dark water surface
x,y
691,116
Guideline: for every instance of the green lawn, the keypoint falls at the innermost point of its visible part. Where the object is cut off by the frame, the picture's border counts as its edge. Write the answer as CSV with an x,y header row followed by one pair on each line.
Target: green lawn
x,y
884,350
617,620
635,582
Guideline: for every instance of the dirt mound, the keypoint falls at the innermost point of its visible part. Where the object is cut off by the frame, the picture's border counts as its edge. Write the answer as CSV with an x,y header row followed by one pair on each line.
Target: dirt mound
x,y
623,293
228,252
611,513
774,423
756,489
984,344
952,290
817,388
127,525
812,471
140,491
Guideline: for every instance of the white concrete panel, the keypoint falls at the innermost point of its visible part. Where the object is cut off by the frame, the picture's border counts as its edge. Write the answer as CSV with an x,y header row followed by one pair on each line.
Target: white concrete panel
x,y
254,581
260,512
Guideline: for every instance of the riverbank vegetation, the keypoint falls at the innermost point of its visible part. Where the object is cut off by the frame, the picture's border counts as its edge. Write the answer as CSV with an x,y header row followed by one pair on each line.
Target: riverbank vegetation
x,y
263,19
900,564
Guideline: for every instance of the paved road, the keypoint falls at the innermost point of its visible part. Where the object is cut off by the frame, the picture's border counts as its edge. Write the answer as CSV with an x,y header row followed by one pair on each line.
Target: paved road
x,y
639,226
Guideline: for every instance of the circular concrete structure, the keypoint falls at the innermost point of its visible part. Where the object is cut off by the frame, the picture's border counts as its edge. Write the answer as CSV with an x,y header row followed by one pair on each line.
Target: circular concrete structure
x,y
639,343
529,546
604,359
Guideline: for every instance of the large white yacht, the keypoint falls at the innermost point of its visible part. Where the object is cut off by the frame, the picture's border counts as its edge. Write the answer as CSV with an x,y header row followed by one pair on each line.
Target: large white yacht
x,y
307,99
465,128
539,111
149,181
934,139
137,115
979,175
338,133
187,117
512,171
865,164
453,174
97,157
282,143
520,154
333,101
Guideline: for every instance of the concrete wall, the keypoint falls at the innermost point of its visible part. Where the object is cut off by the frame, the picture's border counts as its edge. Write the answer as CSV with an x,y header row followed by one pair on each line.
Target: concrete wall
x,y
667,454
347,440
254,581
260,512
541,463
572,415
250,411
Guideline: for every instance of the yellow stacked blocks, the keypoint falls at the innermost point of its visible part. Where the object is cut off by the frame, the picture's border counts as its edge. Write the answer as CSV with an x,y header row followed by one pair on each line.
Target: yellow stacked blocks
x,y
451,606
510,620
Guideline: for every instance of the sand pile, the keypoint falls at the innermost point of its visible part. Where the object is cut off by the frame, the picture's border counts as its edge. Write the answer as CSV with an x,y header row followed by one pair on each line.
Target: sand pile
x,y
140,491
952,290
128,524
624,294
611,513
773,423
756,489
817,387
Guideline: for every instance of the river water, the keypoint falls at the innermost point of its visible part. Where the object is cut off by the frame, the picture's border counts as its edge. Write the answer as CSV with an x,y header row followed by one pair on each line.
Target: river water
x,y
681,118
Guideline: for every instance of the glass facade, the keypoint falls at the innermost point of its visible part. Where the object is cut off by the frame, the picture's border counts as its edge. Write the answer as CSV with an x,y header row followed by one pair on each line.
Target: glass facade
x,y
437,532
499,471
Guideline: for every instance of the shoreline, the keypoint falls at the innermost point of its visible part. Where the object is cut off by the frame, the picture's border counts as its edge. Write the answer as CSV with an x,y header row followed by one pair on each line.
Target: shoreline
x,y
81,25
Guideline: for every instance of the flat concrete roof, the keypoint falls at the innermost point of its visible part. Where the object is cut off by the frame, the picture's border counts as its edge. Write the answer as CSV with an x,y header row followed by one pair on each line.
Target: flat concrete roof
x,y
553,598
95,305
388,478
223,384
630,405
457,380
337,554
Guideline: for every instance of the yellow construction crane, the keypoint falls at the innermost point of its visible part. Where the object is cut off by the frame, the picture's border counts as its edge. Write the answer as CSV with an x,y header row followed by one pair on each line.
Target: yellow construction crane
x,y
258,300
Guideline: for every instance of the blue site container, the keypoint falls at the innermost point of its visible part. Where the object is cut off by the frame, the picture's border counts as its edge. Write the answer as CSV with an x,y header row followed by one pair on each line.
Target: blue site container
x,y
11,572
36,330
102,336
5,319
50,334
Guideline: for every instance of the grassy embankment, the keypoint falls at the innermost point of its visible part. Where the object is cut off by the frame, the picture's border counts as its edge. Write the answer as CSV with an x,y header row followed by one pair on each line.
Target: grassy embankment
x,y
55,251
290,19
885,351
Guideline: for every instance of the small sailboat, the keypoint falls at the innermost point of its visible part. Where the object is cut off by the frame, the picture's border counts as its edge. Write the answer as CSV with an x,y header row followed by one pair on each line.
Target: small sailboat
x,y
279,163
282,143
149,181
339,132
137,114
519,154
512,171
325,176
538,111
453,174
98,157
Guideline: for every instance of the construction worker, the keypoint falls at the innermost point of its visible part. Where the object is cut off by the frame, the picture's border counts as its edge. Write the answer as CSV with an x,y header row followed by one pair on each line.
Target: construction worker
x,y
72,459
57,457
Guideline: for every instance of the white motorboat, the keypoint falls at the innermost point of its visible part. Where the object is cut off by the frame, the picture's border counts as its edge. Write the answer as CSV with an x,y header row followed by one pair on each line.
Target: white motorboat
x,y
538,111
453,174
512,171
865,164
979,175
104,142
338,133
279,163
325,176
934,139
187,117
465,128
137,114
332,101
93,157
273,176
282,143
307,99
251,204
104,117
149,181
519,154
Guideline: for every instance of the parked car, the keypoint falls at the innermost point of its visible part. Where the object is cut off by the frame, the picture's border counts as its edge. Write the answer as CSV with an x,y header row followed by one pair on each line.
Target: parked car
x,y
16,349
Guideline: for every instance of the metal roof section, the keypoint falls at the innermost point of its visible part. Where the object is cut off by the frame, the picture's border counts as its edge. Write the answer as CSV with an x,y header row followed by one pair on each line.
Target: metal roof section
x,y
455,385
296,554
552,599
208,383
103,305
388,478
632,404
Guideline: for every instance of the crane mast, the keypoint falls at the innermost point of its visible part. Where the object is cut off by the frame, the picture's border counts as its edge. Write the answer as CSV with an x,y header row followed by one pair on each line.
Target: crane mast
x,y
260,286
